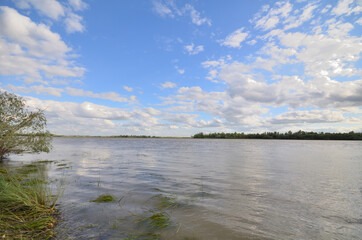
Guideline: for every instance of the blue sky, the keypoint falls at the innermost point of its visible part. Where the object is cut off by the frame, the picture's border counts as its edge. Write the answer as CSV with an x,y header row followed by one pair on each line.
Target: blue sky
x,y
175,68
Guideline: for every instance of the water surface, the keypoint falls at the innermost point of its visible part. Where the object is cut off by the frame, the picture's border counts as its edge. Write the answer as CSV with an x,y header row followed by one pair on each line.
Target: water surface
x,y
222,189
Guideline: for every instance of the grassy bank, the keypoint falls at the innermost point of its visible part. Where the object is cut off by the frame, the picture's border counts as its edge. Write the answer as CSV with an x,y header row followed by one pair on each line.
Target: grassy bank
x,y
26,205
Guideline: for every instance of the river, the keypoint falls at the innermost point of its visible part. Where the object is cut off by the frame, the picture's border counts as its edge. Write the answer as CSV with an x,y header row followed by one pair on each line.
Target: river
x,y
206,188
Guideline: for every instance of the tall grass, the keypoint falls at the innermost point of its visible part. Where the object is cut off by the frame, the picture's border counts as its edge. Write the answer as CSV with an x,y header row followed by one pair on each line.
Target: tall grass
x,y
26,207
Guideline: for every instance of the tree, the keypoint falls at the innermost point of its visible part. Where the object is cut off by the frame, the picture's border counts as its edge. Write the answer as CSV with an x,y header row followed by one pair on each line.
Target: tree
x,y
21,130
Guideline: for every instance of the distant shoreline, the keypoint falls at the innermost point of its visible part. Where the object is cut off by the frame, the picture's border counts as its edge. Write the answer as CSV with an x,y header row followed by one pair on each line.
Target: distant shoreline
x,y
300,135
120,136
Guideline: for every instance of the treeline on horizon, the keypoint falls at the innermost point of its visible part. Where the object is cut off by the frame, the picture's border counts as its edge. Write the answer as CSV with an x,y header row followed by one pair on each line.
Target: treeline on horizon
x,y
115,136
287,135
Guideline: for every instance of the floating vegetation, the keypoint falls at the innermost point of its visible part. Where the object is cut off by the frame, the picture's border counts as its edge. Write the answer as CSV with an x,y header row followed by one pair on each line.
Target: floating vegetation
x,y
45,161
61,164
104,198
156,221
27,169
26,206
3,171
144,236
167,201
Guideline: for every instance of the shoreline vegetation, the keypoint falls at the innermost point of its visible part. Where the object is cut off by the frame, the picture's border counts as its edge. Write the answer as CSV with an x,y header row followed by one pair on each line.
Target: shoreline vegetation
x,y
27,207
300,135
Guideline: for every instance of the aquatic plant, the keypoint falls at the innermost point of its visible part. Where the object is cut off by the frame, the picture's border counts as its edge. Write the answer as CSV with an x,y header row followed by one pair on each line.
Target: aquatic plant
x,y
167,201
104,198
156,221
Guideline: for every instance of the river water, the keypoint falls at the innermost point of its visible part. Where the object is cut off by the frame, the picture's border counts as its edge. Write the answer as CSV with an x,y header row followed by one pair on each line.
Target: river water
x,y
208,188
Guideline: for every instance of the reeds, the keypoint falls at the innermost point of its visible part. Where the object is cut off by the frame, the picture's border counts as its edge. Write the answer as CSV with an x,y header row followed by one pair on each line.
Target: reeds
x,y
26,206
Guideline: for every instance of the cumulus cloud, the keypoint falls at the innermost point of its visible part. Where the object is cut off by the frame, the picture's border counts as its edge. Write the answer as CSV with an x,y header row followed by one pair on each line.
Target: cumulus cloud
x,y
193,50
296,21
39,89
128,89
112,96
269,18
78,5
56,11
302,117
73,23
326,79
347,7
50,8
34,47
168,85
235,38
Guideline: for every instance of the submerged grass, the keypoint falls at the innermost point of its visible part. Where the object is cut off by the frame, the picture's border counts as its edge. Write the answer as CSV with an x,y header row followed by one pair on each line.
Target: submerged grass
x,y
26,206
156,221
104,198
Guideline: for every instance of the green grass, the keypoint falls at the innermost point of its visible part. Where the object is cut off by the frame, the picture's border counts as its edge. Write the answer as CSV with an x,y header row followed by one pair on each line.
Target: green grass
x,y
104,198
156,221
26,207
167,201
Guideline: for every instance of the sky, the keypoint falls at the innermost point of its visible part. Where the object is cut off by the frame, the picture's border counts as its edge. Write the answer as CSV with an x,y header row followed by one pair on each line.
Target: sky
x,y
176,68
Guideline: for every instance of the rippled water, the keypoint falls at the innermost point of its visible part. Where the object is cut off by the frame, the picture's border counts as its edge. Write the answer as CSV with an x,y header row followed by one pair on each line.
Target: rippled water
x,y
221,189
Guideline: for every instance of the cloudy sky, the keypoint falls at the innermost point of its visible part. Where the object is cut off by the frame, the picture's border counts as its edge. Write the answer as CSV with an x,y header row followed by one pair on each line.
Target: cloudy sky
x,y
175,68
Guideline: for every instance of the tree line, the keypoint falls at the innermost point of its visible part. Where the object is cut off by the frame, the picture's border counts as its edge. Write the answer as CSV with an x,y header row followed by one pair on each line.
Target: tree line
x,y
287,135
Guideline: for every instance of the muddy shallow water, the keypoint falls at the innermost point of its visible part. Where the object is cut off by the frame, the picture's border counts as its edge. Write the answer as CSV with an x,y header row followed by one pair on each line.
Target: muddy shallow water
x,y
205,189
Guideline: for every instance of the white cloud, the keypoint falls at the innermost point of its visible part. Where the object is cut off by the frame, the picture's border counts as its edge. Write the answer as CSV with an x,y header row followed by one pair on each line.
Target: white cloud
x,y
296,21
168,8
268,18
235,38
193,50
73,23
312,116
347,7
168,85
50,8
40,89
78,5
56,11
195,16
179,70
128,89
359,21
38,39
320,56
164,9
112,96
251,42
34,47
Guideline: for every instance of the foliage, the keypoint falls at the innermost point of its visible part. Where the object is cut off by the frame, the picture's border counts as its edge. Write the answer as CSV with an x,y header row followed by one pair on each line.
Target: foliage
x,y
21,130
288,135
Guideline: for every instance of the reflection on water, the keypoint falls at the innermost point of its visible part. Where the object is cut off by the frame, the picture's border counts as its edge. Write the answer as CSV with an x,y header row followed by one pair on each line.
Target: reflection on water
x,y
209,189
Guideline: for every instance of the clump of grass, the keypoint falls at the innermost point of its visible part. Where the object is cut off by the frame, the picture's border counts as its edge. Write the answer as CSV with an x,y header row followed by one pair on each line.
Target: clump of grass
x,y
3,171
26,211
156,221
28,169
167,201
104,198
144,236
45,161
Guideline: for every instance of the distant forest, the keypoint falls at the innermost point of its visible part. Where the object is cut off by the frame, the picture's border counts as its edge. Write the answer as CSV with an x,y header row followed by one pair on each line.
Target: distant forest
x,y
288,135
